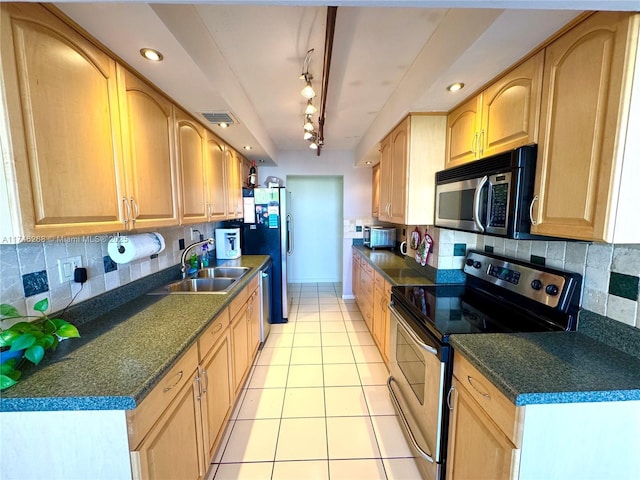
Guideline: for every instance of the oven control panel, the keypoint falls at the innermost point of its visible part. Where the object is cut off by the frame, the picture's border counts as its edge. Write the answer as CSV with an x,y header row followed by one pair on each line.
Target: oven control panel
x,y
541,284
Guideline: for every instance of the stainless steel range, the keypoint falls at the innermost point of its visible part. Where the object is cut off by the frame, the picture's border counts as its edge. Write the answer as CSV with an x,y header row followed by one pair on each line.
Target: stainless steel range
x,y
500,295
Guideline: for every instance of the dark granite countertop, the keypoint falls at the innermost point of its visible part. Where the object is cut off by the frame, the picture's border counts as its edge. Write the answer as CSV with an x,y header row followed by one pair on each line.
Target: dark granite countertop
x,y
122,353
552,367
393,267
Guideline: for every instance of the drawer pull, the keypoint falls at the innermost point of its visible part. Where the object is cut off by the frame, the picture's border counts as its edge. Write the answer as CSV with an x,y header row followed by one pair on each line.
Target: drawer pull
x,y
449,397
484,394
166,389
217,329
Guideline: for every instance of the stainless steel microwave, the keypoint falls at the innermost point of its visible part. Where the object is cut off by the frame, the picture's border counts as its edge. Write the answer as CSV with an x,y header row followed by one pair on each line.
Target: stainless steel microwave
x,y
491,196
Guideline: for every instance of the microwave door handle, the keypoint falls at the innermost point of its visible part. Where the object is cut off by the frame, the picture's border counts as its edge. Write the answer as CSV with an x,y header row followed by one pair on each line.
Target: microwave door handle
x,y
476,203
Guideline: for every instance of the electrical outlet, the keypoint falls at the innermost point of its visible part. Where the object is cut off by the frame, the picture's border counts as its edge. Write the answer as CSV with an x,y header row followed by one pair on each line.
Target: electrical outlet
x,y
66,266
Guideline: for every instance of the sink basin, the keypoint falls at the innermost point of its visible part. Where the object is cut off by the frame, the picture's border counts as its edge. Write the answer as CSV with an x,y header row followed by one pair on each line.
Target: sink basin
x,y
198,285
224,272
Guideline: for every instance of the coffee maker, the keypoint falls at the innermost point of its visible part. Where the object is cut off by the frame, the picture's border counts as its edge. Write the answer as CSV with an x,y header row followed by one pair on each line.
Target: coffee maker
x,y
227,243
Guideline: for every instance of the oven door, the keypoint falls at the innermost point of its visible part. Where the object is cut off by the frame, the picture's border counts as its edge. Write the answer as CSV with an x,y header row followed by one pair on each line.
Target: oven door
x,y
417,387
462,204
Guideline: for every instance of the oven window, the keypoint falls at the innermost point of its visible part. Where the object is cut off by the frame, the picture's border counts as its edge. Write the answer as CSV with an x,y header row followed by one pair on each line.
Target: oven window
x,y
411,362
457,205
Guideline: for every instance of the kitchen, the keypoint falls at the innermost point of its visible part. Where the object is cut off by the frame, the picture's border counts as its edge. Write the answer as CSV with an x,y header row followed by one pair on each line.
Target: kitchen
x,y
605,266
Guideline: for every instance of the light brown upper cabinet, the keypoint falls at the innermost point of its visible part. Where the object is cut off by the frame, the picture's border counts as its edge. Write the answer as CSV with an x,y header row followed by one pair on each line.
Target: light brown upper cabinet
x,y
61,134
234,183
588,168
151,195
409,157
503,117
191,147
375,190
216,183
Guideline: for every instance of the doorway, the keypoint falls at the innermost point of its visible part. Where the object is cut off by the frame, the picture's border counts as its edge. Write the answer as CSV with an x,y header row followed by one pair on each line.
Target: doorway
x,y
315,203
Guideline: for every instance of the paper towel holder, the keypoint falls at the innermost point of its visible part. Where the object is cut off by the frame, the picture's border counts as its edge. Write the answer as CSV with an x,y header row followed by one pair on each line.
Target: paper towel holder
x,y
118,241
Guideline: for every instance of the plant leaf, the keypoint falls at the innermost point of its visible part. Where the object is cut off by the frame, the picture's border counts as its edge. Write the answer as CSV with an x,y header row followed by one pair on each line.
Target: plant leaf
x,y
8,311
22,327
34,354
46,341
7,337
42,305
6,382
49,326
7,367
68,331
24,341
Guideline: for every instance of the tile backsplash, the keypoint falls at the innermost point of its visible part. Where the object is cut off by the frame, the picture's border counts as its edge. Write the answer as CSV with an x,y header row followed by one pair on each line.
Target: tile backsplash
x,y
29,271
611,273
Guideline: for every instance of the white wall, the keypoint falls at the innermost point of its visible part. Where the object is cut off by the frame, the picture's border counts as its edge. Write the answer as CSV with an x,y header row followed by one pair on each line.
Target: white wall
x,y
356,194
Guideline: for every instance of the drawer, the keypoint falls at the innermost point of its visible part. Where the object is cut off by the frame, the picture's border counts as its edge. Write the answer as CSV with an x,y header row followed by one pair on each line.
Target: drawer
x,y
238,302
498,407
367,268
140,420
210,336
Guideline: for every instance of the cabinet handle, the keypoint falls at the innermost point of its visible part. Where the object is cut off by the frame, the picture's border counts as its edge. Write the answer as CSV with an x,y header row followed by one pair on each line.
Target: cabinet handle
x,y
484,394
217,329
474,145
136,210
200,392
127,208
180,373
206,381
531,219
481,143
449,397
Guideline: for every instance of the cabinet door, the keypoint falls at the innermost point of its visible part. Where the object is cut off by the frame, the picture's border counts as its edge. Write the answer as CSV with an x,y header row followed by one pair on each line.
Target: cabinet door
x,y
511,109
385,179
462,127
583,75
234,188
377,318
173,448
216,400
62,107
355,274
375,190
240,347
216,183
190,136
147,124
399,159
477,449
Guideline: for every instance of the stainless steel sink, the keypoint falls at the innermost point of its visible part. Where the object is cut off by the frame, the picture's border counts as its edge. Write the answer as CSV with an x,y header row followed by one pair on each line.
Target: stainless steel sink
x,y
206,280
222,272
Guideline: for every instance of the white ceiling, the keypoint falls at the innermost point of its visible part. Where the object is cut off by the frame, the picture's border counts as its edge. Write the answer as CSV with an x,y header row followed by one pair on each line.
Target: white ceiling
x,y
244,57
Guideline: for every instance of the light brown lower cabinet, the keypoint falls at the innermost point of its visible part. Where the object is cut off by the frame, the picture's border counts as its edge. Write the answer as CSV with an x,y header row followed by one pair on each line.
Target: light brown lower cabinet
x,y
381,299
175,431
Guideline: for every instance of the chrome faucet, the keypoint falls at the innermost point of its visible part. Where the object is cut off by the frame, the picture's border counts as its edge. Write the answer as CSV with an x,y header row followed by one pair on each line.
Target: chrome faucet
x,y
183,259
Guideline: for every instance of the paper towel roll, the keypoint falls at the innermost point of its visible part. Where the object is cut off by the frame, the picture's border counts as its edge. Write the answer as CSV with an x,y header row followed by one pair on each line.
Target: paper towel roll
x,y
124,249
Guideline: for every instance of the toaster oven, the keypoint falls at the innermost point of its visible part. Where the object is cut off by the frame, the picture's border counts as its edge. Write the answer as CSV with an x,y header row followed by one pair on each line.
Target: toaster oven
x,y
376,236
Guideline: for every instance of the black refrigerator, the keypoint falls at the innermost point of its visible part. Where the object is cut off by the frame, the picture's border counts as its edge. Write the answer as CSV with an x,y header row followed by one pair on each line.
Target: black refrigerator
x,y
266,231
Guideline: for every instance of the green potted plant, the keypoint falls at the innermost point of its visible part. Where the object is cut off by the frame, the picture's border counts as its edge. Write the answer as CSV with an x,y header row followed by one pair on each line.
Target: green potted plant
x,y
30,339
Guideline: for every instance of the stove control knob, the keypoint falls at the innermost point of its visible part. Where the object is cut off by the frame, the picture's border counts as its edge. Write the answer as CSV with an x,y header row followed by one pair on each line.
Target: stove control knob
x,y
536,284
476,264
469,262
552,289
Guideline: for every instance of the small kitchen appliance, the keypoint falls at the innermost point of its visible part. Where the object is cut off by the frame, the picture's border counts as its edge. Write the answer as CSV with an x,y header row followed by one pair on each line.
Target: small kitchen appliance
x,y
501,295
227,243
377,236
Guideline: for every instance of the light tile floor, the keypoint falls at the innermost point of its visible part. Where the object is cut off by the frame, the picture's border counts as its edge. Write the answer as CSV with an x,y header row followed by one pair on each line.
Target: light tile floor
x,y
316,404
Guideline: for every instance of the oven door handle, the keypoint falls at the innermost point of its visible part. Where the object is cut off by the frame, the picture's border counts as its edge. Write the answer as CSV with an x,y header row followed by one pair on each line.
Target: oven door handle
x,y
405,423
476,203
411,333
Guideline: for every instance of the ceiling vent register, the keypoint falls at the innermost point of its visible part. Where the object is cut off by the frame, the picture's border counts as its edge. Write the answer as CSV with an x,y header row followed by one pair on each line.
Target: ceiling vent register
x,y
220,117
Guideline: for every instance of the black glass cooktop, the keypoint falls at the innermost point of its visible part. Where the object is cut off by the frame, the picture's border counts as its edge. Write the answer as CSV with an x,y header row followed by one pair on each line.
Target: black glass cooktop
x,y
452,309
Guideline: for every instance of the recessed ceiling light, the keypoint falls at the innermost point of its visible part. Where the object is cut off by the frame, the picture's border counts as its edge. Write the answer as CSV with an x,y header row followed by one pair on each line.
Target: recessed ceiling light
x,y
223,125
151,54
368,163
247,147
454,87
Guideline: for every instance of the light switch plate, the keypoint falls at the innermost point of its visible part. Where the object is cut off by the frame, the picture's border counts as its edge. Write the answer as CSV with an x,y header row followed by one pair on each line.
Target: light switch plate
x,y
66,266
